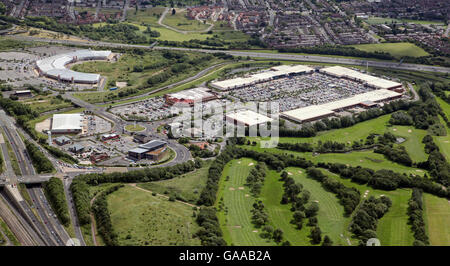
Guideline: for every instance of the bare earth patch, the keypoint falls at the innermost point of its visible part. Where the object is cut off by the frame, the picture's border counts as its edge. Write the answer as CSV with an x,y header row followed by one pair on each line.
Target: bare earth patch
x,y
231,188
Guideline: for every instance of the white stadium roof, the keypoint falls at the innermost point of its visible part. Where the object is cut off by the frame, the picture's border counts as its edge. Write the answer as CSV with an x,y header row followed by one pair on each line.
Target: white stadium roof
x,y
248,117
67,122
55,66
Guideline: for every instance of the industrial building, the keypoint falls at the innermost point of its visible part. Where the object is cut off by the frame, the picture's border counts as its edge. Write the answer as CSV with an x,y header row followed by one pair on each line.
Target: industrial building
x,y
247,118
105,137
274,73
62,140
23,93
371,81
153,150
55,67
67,123
315,112
190,96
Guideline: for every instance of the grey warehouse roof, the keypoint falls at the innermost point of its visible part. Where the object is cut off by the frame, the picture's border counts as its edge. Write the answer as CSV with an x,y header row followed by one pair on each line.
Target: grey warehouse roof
x,y
152,144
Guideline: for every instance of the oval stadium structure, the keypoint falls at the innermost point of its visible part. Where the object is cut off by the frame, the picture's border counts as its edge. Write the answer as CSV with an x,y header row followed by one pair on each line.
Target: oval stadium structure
x,y
55,67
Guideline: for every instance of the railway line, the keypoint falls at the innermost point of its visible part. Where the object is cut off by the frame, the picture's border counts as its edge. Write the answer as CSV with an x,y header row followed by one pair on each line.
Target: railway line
x,y
15,222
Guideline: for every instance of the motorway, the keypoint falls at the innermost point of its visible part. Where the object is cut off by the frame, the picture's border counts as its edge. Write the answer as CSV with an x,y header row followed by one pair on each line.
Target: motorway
x,y
52,232
275,56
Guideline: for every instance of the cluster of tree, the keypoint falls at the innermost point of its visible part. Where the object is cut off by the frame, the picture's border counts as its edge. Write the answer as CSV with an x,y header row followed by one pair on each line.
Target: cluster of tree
x,y
259,215
436,164
298,146
260,219
102,217
60,154
401,118
196,151
23,115
209,233
425,112
54,190
348,197
255,178
415,212
430,146
338,50
209,192
17,109
81,200
159,78
276,161
152,33
298,197
364,222
178,62
338,147
396,154
214,43
142,175
40,162
439,90
386,179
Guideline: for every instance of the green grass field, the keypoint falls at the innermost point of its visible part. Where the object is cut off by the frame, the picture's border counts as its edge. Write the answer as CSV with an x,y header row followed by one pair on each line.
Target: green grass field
x,y
134,128
123,70
42,104
152,220
179,21
145,16
360,131
392,229
280,215
187,186
367,159
331,214
437,219
235,218
396,49
444,141
380,20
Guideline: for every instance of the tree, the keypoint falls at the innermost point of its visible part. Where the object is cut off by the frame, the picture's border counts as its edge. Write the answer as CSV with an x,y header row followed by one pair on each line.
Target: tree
x,y
173,11
2,8
277,235
316,235
312,209
327,241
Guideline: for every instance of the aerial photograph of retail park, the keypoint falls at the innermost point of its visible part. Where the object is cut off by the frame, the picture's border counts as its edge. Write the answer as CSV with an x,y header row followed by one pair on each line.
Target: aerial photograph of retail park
x,y
224,123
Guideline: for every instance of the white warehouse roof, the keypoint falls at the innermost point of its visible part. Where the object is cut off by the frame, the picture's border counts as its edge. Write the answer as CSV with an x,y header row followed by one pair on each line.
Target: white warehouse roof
x,y
196,94
261,76
316,111
343,72
307,113
67,122
248,117
55,66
